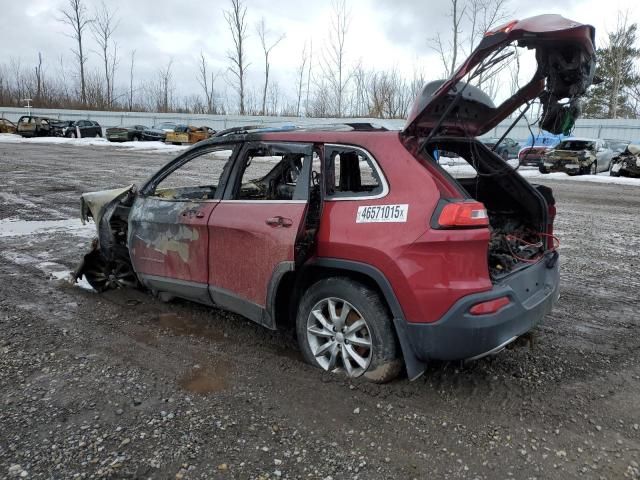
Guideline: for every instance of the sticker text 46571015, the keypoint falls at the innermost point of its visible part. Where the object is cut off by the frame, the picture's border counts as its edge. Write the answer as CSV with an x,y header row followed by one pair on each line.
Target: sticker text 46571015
x,y
382,213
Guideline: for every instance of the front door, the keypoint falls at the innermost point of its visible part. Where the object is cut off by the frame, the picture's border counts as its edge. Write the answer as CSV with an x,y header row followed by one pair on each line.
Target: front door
x,y
168,233
253,230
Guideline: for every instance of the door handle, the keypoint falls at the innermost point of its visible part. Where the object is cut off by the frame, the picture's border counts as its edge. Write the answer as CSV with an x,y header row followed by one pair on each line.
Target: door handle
x,y
279,221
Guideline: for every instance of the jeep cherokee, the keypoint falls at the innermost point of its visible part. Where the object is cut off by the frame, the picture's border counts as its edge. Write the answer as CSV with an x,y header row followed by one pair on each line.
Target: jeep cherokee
x,y
355,234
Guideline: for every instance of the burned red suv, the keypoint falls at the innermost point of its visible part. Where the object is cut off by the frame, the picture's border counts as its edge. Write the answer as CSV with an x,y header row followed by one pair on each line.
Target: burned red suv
x,y
357,235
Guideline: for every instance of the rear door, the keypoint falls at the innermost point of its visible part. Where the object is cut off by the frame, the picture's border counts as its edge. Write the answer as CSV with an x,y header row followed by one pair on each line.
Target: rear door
x,y
253,231
168,234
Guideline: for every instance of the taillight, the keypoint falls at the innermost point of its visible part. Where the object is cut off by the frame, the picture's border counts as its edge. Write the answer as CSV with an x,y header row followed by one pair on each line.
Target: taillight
x,y
551,215
491,306
463,214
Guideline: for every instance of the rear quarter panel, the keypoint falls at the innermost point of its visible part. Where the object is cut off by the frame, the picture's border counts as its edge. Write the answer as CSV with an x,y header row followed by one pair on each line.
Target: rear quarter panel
x,y
428,269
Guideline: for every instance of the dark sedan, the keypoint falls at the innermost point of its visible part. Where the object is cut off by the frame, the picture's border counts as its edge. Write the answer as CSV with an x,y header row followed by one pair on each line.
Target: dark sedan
x,y
125,134
158,132
83,128
508,148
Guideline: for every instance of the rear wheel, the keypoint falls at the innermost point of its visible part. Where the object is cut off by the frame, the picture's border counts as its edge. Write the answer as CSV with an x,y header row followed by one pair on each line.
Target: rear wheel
x,y
343,326
543,169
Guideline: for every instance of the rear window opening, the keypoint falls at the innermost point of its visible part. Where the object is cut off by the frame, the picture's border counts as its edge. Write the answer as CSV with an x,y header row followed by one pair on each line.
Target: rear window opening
x,y
517,210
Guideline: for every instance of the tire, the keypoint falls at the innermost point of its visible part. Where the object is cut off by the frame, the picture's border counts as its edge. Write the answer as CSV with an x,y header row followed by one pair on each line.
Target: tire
x,y
543,169
72,135
103,275
371,350
504,155
593,168
136,138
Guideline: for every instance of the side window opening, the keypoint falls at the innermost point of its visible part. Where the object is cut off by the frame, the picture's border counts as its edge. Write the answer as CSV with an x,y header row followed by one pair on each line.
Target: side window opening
x,y
350,173
271,174
198,178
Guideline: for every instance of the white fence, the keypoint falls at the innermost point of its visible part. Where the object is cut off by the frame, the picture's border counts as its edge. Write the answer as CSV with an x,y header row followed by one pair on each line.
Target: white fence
x,y
614,129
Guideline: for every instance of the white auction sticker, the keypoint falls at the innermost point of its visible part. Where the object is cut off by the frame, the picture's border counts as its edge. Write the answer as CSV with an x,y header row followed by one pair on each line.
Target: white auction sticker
x,y
382,213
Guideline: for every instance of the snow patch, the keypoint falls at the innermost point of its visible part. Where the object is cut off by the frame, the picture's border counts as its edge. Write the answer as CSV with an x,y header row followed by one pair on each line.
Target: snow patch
x,y
94,142
603,177
11,227
66,275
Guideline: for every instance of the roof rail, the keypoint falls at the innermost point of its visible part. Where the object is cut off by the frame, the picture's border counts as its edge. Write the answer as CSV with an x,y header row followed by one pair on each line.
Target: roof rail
x,y
352,126
252,129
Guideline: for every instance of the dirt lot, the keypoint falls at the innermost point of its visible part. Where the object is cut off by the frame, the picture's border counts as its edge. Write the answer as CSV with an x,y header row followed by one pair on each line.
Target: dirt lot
x,y
120,385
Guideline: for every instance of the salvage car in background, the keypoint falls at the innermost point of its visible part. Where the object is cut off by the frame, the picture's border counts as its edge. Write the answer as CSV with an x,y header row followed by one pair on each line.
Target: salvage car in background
x,y
7,126
83,129
355,234
125,134
158,132
59,127
186,134
578,156
34,126
536,146
618,146
627,163
507,149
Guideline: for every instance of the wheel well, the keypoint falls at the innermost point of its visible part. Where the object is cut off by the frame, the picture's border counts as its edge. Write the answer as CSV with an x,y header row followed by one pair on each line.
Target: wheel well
x,y
293,285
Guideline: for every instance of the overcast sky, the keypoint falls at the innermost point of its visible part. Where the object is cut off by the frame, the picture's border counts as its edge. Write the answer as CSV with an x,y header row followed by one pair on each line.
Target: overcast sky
x,y
383,33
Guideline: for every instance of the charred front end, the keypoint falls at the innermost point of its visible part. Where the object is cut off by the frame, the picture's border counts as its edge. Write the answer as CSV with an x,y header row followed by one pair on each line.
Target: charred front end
x,y
108,264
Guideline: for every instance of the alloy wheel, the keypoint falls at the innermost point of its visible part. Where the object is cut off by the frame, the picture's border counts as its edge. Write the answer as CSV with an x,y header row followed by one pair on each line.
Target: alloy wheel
x,y
339,337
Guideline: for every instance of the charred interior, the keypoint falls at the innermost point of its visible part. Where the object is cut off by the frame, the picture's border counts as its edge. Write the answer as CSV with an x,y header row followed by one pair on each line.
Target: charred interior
x,y
516,209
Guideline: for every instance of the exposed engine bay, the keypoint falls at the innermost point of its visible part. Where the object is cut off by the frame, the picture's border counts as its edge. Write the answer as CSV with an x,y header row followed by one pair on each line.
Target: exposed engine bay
x,y
573,156
627,163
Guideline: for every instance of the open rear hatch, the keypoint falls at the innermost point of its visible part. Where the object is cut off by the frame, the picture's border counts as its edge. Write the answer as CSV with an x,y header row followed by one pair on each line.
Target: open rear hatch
x,y
448,115
565,54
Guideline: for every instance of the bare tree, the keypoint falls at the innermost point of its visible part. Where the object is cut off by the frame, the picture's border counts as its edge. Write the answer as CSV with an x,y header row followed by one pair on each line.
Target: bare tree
x,y
301,70
39,78
165,77
236,19
77,18
131,67
206,79
103,27
620,43
333,58
448,51
473,16
266,50
306,103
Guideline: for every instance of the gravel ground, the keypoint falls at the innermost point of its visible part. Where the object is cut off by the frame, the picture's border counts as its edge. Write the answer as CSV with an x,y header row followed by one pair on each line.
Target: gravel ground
x,y
120,385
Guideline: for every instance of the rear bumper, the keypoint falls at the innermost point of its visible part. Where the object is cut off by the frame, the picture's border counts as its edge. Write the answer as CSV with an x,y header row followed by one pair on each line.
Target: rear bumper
x,y
459,335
